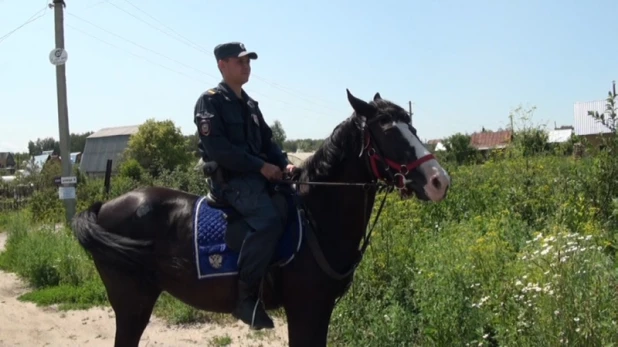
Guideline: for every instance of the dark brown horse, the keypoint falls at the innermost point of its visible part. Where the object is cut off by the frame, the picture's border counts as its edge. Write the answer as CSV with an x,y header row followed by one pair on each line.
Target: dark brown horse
x,y
144,243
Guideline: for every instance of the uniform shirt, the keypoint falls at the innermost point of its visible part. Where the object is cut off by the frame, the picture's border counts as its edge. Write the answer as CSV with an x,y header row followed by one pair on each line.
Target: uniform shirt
x,y
233,133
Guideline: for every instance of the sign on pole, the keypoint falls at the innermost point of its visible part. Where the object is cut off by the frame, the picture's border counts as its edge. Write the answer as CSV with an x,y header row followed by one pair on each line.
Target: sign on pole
x,y
68,180
65,193
58,56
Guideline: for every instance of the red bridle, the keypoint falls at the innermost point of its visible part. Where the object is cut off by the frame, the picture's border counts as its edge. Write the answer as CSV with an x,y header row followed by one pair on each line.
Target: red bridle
x,y
401,170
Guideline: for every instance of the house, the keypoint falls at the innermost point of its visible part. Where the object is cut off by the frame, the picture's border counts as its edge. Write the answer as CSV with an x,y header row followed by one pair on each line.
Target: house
x,y
586,126
107,143
487,141
7,162
36,163
76,157
560,135
435,145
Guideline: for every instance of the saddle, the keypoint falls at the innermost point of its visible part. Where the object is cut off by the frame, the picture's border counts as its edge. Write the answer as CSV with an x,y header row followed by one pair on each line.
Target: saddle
x,y
237,228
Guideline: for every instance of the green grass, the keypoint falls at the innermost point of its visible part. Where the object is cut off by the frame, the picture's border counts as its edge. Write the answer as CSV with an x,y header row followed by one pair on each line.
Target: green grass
x,y
521,253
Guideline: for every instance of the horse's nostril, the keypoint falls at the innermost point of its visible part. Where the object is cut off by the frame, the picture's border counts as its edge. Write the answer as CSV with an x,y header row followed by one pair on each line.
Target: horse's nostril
x,y
436,183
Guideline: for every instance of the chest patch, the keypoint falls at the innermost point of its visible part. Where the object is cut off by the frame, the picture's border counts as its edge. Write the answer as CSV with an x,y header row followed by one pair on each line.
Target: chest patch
x,y
255,119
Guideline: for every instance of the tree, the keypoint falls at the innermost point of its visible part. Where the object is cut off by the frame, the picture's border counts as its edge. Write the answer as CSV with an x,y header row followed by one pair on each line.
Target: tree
x,y
158,146
530,138
78,141
278,133
46,144
459,150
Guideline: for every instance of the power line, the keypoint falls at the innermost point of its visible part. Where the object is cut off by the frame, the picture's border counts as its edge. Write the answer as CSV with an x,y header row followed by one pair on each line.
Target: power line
x,y
135,55
143,47
199,48
186,40
28,21
176,61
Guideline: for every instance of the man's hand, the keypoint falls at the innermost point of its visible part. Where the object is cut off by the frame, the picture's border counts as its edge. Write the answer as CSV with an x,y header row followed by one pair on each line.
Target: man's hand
x,y
271,172
290,168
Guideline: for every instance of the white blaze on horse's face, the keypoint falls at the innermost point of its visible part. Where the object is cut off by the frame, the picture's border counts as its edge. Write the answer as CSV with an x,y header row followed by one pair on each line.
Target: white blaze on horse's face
x,y
437,178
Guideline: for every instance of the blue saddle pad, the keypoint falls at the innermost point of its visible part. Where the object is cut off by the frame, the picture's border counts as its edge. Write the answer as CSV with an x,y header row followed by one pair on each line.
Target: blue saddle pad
x,y
212,255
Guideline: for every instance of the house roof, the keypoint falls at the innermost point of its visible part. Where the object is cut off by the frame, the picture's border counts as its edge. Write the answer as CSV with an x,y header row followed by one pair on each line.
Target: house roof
x,y
115,131
73,156
490,139
585,124
4,156
99,149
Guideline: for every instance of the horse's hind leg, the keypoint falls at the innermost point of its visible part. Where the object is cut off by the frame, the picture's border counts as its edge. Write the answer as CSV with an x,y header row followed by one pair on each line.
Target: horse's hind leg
x,y
133,300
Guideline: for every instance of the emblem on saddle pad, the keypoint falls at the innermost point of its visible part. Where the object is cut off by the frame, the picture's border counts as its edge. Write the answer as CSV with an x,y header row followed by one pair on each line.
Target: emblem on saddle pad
x,y
215,260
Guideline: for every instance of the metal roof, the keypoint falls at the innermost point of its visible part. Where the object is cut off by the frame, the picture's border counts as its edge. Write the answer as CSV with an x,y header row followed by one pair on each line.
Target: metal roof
x,y
490,139
585,124
99,149
115,131
40,160
559,135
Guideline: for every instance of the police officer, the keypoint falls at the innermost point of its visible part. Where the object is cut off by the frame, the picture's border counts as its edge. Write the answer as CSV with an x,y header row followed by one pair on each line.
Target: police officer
x,y
234,135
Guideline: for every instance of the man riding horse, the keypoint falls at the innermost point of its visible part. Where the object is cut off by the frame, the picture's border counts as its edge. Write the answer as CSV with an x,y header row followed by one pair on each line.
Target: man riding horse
x,y
240,159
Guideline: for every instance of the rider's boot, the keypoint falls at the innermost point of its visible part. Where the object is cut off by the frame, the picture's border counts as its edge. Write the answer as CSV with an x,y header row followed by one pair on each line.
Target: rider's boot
x,y
250,309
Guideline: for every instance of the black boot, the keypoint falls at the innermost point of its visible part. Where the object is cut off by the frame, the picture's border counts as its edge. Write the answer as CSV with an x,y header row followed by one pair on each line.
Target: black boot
x,y
250,310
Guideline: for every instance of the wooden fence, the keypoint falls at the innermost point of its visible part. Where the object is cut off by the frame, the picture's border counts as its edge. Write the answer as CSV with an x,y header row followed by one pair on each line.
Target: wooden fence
x,y
14,197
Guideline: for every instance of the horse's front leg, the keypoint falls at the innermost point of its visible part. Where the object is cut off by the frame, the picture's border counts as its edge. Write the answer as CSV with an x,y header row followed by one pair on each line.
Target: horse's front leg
x,y
308,317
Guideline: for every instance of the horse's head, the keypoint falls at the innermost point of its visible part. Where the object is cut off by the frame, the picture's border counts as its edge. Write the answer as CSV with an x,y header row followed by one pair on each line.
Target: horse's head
x,y
395,153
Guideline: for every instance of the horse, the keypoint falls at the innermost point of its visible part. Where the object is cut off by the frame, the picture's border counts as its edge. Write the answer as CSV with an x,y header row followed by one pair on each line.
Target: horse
x,y
156,239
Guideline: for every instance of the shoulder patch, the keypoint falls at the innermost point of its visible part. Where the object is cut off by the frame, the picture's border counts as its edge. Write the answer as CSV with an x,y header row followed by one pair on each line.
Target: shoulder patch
x,y
204,114
212,91
204,127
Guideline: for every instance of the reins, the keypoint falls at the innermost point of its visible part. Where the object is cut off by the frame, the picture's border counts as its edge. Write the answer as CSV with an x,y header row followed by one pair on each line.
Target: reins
x,y
389,183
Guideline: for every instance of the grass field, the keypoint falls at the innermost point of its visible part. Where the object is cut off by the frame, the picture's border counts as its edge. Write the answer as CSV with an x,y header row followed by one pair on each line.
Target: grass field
x,y
523,252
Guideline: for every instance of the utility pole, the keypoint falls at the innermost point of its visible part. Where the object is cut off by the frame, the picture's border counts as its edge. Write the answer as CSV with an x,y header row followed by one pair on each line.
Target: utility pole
x,y
410,108
58,57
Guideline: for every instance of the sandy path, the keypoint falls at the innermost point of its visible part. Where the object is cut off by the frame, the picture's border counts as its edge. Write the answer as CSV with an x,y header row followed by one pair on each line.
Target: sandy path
x,y
24,324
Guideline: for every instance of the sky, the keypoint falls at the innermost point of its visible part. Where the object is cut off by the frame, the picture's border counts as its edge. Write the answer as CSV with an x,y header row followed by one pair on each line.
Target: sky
x,y
463,64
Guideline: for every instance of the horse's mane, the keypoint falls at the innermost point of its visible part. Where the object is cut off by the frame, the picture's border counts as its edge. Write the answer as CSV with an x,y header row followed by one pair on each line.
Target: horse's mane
x,y
344,139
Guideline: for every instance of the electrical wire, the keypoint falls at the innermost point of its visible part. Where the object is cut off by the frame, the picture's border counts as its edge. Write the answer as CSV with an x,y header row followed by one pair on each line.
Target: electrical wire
x,y
174,60
28,21
201,49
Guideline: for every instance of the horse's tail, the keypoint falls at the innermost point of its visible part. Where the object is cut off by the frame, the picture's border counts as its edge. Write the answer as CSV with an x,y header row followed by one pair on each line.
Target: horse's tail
x,y
120,252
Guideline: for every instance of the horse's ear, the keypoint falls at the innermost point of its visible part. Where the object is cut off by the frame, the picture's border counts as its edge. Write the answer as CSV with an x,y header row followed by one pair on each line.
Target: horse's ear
x,y
361,107
377,97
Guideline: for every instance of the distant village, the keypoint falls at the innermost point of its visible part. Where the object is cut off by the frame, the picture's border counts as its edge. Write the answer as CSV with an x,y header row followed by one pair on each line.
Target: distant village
x,y
109,143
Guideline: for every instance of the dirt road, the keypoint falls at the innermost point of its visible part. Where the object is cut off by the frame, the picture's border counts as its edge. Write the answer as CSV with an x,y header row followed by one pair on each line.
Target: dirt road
x,y
24,324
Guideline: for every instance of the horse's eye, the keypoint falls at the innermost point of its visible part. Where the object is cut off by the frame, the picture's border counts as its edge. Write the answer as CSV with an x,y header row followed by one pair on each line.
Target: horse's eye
x,y
385,121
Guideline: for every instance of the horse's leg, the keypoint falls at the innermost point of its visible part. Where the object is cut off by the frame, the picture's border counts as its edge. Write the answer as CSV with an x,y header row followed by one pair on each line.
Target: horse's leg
x,y
308,316
133,300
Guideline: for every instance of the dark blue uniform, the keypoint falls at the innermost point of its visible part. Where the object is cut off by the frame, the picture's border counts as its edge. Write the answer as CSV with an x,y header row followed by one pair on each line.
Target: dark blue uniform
x,y
233,134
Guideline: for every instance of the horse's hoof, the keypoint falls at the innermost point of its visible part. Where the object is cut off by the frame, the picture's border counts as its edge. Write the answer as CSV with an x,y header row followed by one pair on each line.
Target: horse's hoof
x,y
260,321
